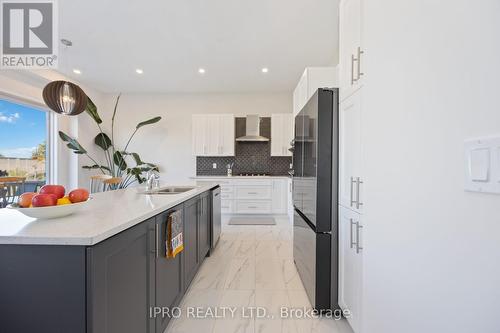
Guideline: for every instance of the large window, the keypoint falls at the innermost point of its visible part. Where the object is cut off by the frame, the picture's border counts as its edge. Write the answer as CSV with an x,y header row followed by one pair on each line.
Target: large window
x,y
23,141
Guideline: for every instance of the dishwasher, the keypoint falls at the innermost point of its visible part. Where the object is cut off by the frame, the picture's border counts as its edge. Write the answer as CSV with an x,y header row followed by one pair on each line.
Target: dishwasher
x,y
216,218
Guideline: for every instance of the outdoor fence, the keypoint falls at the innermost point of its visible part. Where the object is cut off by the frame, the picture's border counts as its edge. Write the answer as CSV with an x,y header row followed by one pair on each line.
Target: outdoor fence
x,y
23,167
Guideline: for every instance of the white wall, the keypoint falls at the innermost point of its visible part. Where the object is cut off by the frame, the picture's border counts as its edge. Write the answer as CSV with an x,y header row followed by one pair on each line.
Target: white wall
x,y
168,143
431,249
27,86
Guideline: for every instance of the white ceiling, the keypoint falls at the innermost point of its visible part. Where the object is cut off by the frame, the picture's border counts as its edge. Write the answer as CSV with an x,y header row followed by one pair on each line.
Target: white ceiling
x,y
231,39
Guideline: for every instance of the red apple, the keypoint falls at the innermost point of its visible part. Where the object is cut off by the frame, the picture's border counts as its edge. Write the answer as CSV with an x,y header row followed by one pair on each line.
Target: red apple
x,y
25,199
78,195
43,200
57,190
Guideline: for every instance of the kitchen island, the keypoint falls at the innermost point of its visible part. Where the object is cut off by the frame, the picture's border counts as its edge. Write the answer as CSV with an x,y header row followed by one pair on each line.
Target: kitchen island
x,y
104,268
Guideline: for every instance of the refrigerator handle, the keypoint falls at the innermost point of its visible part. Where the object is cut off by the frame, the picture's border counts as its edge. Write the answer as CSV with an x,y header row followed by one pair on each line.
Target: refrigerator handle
x,y
358,247
351,234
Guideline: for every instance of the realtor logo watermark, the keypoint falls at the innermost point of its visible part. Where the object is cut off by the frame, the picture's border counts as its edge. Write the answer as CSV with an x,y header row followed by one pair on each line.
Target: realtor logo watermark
x,y
29,34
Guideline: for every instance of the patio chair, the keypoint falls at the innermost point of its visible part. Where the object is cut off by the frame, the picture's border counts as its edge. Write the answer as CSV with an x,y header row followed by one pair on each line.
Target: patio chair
x,y
33,185
10,190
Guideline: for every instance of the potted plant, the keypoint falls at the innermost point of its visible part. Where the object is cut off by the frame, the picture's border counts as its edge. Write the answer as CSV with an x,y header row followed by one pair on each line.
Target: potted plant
x,y
119,162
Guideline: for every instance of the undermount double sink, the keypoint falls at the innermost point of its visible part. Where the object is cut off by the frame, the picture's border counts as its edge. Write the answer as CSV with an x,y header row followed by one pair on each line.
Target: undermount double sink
x,y
170,190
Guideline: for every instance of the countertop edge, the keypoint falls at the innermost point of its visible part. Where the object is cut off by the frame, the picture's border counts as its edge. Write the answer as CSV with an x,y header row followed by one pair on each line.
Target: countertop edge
x,y
240,177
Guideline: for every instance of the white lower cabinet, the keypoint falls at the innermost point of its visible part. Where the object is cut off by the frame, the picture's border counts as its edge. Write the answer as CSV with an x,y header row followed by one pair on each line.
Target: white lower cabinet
x,y
226,196
226,206
252,207
280,196
263,196
253,192
350,265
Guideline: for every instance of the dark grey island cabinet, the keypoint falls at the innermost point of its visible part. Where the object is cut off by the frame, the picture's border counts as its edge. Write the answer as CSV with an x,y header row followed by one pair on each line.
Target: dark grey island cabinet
x,y
197,236
169,277
121,281
204,225
191,262
110,287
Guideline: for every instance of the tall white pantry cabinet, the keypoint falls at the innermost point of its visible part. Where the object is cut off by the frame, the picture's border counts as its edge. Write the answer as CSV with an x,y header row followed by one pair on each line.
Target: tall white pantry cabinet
x,y
351,181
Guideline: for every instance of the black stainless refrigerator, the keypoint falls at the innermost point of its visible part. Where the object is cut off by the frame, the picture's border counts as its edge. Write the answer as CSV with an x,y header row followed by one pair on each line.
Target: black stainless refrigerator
x,y
315,198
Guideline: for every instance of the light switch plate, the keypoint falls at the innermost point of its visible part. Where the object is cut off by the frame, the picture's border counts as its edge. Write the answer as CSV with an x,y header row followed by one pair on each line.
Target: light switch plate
x,y
479,164
496,164
482,164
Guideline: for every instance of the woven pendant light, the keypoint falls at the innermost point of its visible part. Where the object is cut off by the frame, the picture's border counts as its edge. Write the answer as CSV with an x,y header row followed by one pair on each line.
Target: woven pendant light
x,y
65,98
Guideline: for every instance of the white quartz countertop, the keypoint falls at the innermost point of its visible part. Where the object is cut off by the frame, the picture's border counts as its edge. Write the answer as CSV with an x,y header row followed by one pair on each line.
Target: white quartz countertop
x,y
105,215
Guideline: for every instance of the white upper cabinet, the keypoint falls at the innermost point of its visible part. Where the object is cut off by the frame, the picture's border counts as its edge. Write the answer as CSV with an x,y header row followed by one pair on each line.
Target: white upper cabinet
x,y
227,135
213,135
281,134
199,140
351,48
311,80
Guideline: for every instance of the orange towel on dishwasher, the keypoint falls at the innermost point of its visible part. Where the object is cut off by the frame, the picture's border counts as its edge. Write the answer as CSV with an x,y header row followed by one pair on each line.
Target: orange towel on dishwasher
x,y
174,240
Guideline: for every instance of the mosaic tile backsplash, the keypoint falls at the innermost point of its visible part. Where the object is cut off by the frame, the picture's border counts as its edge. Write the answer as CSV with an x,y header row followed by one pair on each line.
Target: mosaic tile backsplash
x,y
251,157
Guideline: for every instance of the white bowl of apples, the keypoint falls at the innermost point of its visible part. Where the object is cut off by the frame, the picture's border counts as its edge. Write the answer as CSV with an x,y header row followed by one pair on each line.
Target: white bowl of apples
x,y
50,202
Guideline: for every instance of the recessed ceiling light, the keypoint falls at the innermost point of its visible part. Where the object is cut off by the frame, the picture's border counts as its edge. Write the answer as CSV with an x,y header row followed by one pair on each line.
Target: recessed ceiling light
x,y
77,71
139,71
265,70
201,70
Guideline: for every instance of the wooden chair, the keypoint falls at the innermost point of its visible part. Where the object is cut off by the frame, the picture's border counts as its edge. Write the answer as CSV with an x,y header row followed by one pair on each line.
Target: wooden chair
x,y
112,183
97,183
103,183
10,190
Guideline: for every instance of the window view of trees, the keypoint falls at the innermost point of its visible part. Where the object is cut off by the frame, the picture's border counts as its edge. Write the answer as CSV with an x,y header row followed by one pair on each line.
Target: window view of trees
x,y
23,137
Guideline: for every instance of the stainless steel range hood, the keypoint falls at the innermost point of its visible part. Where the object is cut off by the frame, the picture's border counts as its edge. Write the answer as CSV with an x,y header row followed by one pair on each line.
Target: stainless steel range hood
x,y
252,130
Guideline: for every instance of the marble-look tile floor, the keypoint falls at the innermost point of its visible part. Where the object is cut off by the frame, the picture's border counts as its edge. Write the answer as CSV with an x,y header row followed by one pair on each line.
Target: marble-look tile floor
x,y
252,266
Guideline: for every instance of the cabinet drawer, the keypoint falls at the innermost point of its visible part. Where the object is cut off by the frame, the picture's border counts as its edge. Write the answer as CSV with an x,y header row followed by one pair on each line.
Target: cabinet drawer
x,y
252,182
226,206
223,182
253,192
252,207
226,189
226,196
